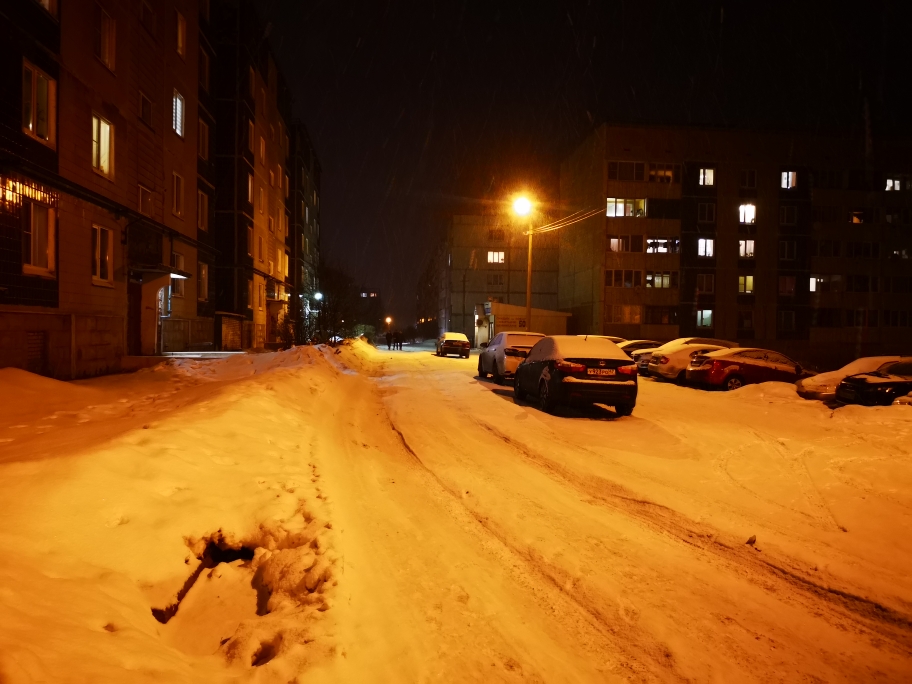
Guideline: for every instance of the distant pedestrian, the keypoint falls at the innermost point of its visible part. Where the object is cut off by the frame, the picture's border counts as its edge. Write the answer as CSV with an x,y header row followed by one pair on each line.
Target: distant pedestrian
x,y
389,339
397,340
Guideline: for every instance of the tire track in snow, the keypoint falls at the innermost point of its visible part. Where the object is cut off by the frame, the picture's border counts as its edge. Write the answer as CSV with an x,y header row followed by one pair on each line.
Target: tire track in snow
x,y
887,621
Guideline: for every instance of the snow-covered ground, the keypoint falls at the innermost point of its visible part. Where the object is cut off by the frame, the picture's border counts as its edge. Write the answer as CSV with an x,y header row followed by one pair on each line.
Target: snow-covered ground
x,y
393,518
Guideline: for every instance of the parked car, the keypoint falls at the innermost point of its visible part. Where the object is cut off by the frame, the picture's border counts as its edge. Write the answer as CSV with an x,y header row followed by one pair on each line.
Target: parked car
x,y
823,385
643,355
672,364
616,340
877,388
502,355
566,369
734,368
453,343
903,401
630,346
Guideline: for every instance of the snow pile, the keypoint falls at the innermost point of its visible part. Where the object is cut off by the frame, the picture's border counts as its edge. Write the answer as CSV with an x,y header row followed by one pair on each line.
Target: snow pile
x,y
768,392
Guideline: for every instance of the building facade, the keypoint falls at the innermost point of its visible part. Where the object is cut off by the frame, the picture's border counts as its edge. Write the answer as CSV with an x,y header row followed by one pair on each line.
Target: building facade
x,y
795,242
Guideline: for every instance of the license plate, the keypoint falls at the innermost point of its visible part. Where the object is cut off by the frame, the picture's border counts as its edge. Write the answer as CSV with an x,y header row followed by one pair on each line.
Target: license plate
x,y
600,371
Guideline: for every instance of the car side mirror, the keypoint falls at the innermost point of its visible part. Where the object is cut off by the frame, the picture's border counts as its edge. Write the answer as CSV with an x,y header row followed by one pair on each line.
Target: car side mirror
x,y
522,352
483,345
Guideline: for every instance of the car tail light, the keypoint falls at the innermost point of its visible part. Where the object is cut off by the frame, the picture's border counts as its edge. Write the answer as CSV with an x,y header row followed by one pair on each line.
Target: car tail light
x,y
663,359
570,367
627,370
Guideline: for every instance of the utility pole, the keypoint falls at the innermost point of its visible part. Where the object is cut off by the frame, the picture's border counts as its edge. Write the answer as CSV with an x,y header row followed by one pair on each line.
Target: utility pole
x,y
529,284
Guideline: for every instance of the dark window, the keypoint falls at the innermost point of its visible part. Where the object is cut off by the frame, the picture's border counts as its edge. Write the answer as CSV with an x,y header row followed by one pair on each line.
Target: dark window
x,y
786,320
626,171
788,215
661,315
748,178
826,318
706,283
706,212
787,286
145,110
787,250
745,320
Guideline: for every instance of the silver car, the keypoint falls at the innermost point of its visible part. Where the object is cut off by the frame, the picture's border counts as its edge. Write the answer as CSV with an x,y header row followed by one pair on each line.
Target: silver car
x,y
503,354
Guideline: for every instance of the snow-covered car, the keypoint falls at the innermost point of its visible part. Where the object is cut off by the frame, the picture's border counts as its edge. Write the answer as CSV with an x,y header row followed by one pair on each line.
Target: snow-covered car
x,y
877,388
903,401
823,385
453,343
616,340
630,346
566,369
672,364
503,354
642,356
734,368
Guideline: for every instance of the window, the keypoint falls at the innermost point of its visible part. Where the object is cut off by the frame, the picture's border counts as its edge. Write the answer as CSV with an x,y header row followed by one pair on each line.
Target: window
x,y
260,199
704,318
177,113
662,279
271,178
39,104
250,240
786,321
748,178
628,171
249,294
625,243
263,99
38,244
626,207
826,214
787,250
102,146
204,70
746,249
706,212
271,224
661,245
180,27
895,183
863,250
826,283
788,215
202,287
745,320
262,149
104,37
706,283
202,210
825,248
747,213
661,315
145,201
495,257
271,133
705,247
259,247
789,180
250,188
856,216
251,135
203,140
50,6
623,313
177,283
664,173
745,284
261,296
787,286
177,195
495,280
707,176
102,255
623,278
145,109
285,268
286,186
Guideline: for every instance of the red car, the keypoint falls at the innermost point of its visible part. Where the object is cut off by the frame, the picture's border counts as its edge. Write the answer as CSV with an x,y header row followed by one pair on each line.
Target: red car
x,y
734,368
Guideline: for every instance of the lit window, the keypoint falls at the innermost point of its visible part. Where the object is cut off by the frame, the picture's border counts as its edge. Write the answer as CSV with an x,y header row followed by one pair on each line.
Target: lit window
x,y
104,37
789,180
261,296
626,207
202,288
705,247
662,279
746,249
102,146
249,294
250,188
38,241
746,284
177,113
787,286
656,245
271,178
894,184
747,213
180,25
704,318
495,257
813,283
177,283
202,210
39,104
145,201
706,283
204,70
177,195
856,216
262,149
707,176
203,141
706,212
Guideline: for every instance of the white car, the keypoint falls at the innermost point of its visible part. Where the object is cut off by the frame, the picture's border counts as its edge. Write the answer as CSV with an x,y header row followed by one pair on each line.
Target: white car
x,y
903,401
671,364
503,354
642,356
823,385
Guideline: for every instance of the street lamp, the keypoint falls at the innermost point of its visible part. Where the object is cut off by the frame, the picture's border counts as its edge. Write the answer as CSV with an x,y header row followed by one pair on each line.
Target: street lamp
x,y
318,296
388,322
522,206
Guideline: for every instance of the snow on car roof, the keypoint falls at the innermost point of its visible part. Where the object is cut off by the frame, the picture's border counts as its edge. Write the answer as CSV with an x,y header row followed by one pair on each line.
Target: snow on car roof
x,y
573,347
522,332
455,336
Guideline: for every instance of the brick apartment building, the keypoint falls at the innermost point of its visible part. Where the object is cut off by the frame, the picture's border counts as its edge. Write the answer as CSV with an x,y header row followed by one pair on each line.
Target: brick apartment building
x,y
112,177
795,242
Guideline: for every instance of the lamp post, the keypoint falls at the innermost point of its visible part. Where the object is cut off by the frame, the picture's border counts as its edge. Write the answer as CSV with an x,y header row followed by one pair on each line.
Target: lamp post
x,y
523,207
389,322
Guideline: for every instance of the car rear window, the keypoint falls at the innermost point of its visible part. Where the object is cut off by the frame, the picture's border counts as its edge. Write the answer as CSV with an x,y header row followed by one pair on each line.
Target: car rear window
x,y
523,340
902,368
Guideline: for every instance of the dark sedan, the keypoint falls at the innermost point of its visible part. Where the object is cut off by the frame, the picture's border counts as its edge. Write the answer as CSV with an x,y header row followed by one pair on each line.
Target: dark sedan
x,y
877,388
569,370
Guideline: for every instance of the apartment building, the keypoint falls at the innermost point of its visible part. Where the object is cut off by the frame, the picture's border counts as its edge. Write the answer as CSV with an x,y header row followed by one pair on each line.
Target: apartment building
x,y
98,163
485,260
790,241
303,240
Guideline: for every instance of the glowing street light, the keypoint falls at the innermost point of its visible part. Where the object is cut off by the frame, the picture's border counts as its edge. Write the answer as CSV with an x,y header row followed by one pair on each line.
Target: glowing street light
x,y
522,206
388,320
318,296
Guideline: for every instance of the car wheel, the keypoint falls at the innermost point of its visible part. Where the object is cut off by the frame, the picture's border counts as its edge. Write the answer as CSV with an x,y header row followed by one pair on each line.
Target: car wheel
x,y
498,378
734,382
481,371
545,399
681,379
518,394
623,409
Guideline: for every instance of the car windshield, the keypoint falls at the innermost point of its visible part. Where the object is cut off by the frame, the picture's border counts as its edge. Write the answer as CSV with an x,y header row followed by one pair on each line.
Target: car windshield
x,y
903,368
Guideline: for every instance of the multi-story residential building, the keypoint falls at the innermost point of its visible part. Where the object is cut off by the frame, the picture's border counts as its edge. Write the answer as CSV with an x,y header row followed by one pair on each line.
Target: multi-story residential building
x,y
99,168
485,260
796,242
304,207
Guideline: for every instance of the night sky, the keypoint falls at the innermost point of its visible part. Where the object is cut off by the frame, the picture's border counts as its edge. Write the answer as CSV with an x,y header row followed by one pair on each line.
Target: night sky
x,y
419,110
